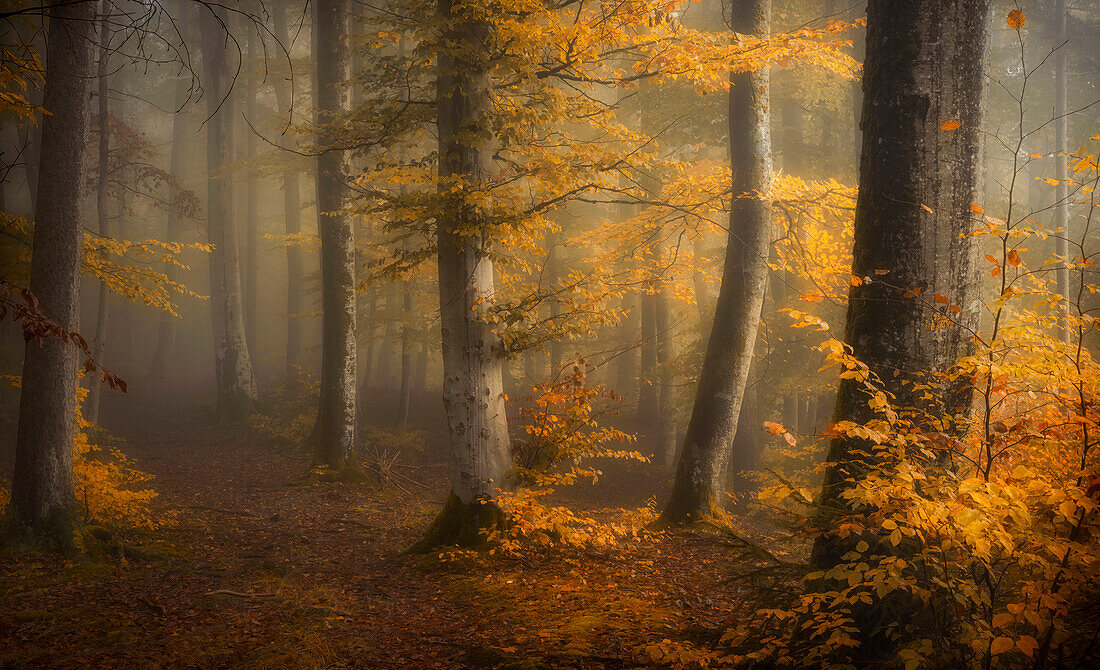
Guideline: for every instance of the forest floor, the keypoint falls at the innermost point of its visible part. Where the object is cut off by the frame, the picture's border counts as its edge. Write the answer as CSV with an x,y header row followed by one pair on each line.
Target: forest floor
x,y
262,571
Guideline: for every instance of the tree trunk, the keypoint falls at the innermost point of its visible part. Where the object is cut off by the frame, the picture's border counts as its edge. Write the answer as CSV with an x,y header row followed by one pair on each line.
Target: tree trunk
x,y
1061,166
166,327
666,425
336,415
103,308
233,366
42,502
472,358
292,217
252,223
925,65
699,487
406,353
648,402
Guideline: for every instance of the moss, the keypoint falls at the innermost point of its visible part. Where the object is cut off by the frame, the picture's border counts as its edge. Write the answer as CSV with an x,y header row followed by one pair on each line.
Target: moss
x,y
461,524
686,509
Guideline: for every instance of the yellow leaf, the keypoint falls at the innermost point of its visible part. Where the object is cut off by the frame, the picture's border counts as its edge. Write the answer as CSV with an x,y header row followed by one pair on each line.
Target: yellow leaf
x,y
949,125
1015,19
1000,645
926,208
1027,644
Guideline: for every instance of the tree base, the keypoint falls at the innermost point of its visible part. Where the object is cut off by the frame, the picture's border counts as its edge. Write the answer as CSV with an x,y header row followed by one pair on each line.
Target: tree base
x,y
58,533
461,524
348,472
700,510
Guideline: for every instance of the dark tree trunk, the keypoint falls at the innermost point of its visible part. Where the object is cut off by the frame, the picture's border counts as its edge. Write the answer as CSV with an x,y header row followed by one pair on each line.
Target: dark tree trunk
x,y
42,503
925,65
406,353
699,488
233,365
336,416
472,358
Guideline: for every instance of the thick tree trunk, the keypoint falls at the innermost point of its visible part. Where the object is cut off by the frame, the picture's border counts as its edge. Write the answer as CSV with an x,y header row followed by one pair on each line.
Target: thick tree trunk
x,y
699,487
292,217
233,365
925,65
166,328
336,416
42,503
472,358
103,308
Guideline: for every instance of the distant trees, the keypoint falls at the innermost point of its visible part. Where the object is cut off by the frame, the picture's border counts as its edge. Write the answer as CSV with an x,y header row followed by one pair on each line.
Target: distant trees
x,y
699,488
233,366
42,504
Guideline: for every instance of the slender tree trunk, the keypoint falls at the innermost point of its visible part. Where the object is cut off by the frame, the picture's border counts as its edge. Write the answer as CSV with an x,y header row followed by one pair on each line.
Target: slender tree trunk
x,y
336,417
103,309
233,365
699,487
925,65
252,221
406,353
472,358
367,359
164,352
648,403
666,426
1061,166
42,503
292,217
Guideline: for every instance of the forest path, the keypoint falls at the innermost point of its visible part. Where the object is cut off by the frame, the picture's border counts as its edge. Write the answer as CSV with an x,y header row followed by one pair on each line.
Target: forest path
x,y
269,573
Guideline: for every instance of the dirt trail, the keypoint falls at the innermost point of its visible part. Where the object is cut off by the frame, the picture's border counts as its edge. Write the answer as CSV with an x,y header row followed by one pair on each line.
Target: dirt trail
x,y
261,572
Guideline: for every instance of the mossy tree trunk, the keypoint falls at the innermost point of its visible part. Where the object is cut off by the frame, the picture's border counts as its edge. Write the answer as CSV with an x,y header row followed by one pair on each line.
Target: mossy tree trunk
x,y
699,488
42,505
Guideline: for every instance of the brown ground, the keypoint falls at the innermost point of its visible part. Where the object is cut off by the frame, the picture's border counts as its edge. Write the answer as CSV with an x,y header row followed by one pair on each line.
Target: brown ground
x,y
268,573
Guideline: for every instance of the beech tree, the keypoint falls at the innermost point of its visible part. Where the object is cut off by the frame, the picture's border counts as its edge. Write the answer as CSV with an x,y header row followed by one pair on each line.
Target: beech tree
x,y
699,487
336,415
473,391
233,365
42,504
920,172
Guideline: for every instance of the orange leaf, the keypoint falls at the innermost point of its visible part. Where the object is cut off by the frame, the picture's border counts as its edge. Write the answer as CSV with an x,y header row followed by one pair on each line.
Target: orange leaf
x,y
812,297
926,208
1014,258
990,258
913,293
954,308
996,271
942,299
773,427
1015,19
949,125
976,208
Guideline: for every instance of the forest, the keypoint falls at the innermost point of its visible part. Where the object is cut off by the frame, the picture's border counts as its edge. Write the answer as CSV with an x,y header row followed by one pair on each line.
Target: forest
x,y
538,334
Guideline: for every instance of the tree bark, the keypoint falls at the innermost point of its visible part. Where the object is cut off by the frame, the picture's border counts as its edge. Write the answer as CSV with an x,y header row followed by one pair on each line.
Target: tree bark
x,y
292,217
472,358
252,222
336,416
42,503
699,487
925,65
406,353
103,308
164,352
233,365
1061,166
